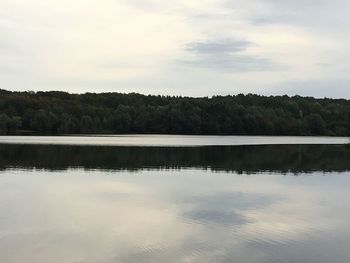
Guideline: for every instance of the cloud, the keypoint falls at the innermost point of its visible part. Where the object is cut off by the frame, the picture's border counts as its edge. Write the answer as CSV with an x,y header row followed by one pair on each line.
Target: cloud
x,y
337,88
181,47
297,4
227,55
218,46
312,15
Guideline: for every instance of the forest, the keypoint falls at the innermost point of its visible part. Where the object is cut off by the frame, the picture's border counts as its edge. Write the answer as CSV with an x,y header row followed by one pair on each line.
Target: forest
x,y
56,112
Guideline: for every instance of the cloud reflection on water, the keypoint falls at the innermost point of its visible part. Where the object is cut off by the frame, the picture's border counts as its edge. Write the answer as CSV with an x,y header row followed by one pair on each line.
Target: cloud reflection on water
x,y
79,216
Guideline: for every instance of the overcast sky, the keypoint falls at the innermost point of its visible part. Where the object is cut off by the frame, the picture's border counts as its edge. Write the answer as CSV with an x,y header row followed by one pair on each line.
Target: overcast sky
x,y
179,47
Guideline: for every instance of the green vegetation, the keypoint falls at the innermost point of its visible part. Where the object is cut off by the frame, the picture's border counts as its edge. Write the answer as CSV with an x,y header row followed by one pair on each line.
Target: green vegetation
x,y
63,113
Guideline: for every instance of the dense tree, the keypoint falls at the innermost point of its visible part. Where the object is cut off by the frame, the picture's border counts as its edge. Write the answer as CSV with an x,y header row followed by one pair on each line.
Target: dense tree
x,y
315,124
56,112
9,124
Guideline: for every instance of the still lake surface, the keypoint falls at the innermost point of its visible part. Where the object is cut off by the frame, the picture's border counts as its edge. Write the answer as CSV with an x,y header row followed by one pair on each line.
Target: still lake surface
x,y
273,200
171,140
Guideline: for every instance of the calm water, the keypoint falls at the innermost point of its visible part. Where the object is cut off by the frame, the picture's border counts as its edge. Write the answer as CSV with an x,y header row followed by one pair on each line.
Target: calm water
x,y
171,140
246,204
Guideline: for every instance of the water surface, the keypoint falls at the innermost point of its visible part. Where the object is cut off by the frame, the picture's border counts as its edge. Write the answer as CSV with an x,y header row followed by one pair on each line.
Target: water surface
x,y
247,204
239,159
171,140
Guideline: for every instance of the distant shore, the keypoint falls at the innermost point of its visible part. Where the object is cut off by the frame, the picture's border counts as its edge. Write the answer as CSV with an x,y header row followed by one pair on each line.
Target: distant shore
x,y
57,113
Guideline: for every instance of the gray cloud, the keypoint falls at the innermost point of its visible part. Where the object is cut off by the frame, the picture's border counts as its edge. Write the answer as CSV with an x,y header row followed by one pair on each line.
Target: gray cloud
x,y
298,3
226,55
218,46
315,14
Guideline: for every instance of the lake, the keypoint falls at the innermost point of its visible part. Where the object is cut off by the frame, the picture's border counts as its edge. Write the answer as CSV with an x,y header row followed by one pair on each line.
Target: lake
x,y
251,200
171,140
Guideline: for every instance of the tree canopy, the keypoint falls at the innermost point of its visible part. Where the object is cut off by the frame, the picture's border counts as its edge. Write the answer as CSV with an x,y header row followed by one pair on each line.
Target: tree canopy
x,y
55,112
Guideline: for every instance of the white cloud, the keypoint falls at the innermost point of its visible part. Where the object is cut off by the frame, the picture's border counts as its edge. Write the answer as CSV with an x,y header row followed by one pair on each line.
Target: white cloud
x,y
132,45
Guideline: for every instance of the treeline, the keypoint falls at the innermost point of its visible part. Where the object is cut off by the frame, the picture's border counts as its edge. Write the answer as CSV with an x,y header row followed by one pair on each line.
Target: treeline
x,y
57,112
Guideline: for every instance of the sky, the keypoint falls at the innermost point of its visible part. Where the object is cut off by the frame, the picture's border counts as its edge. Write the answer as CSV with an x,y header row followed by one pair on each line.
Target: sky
x,y
179,47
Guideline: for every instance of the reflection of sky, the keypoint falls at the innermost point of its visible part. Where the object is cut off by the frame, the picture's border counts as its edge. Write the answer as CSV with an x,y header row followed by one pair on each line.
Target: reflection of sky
x,y
172,216
172,140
